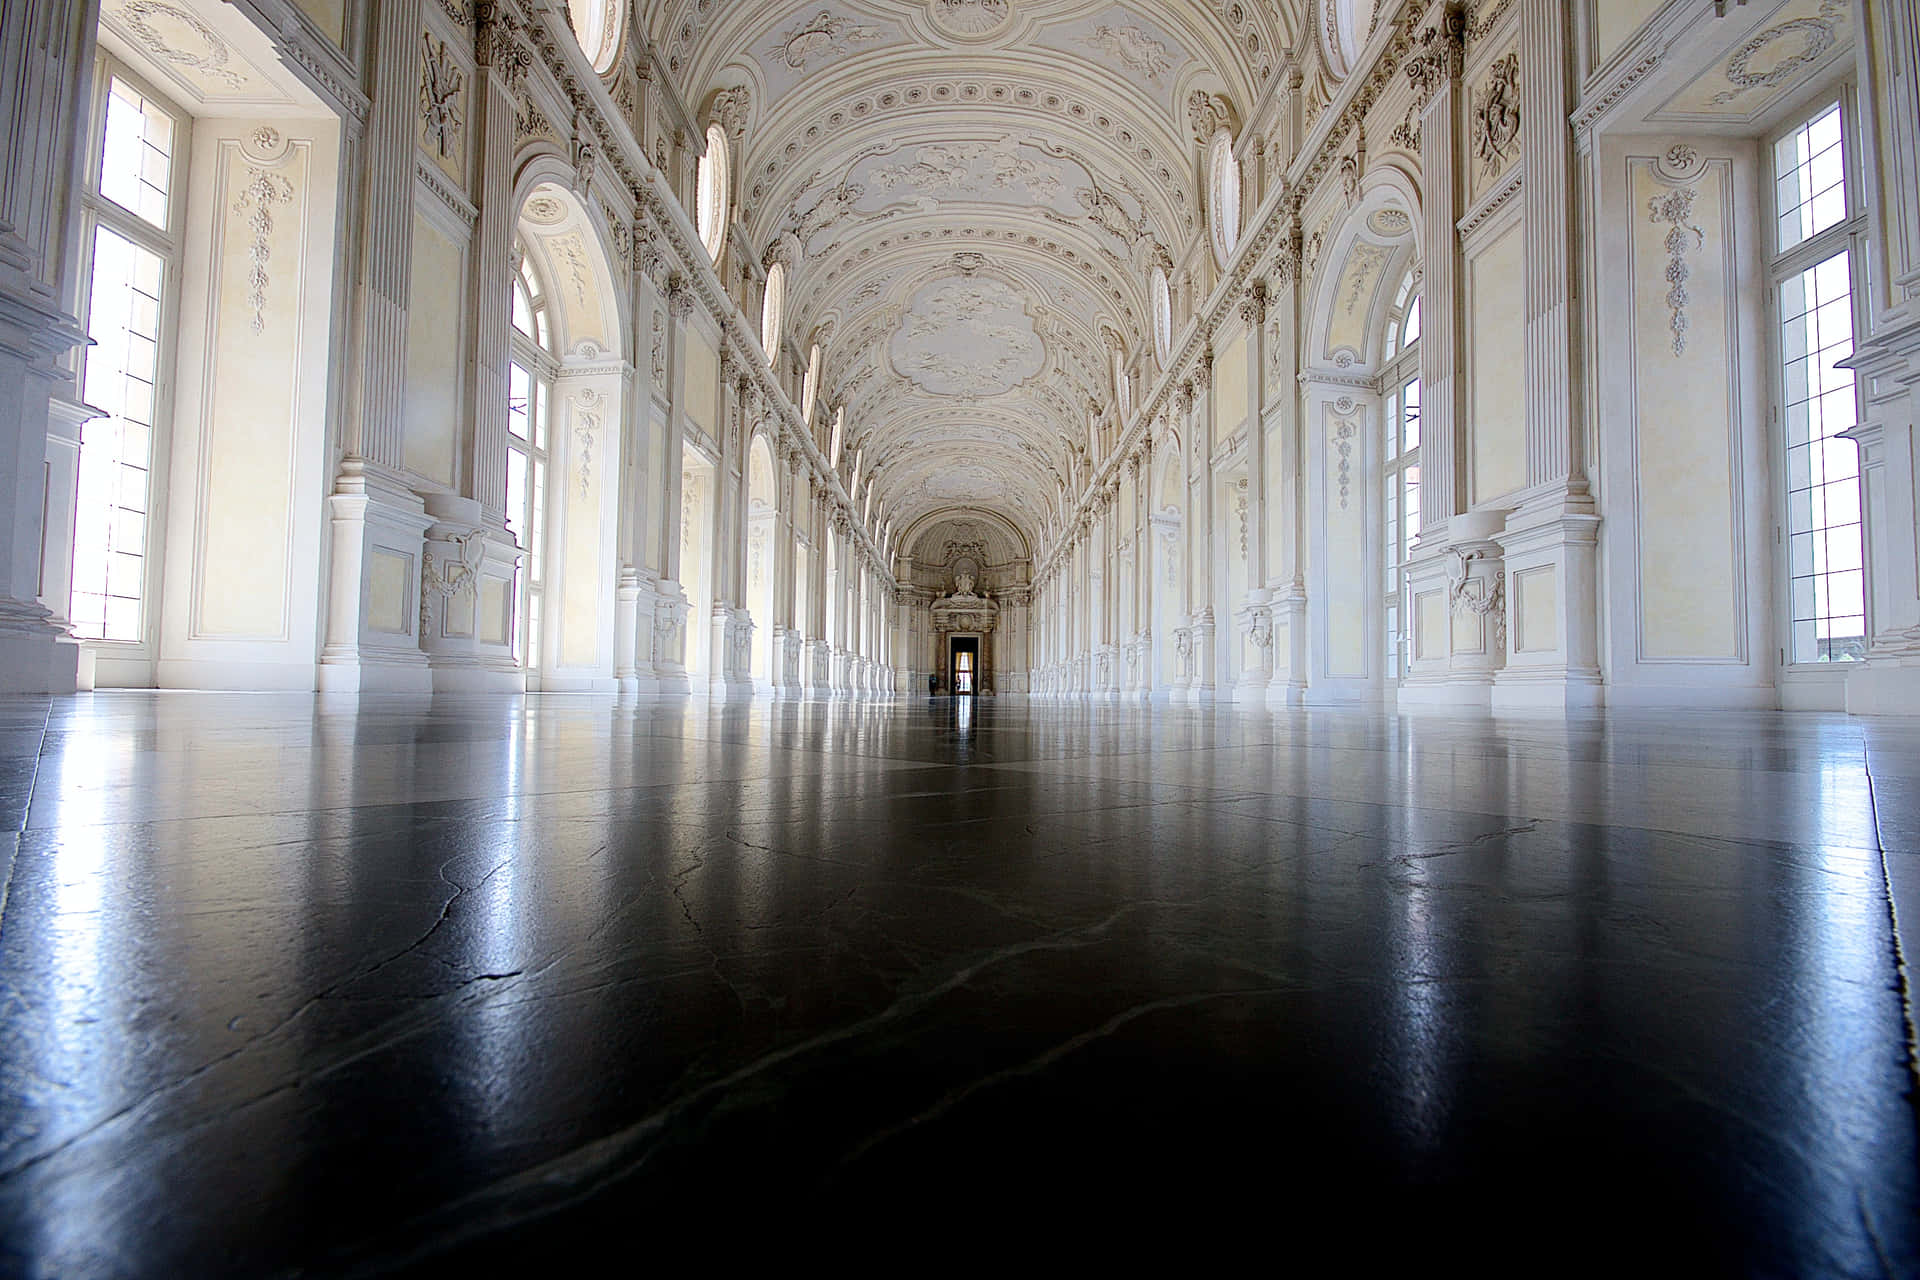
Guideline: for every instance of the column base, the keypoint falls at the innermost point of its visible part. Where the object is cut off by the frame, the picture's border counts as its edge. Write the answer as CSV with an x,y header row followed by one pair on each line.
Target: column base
x,y
1286,694
1467,694
1885,687
1561,691
375,673
35,655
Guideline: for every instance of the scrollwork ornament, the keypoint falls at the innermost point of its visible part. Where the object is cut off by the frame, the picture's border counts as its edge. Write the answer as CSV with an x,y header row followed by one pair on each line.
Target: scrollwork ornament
x,y
1253,306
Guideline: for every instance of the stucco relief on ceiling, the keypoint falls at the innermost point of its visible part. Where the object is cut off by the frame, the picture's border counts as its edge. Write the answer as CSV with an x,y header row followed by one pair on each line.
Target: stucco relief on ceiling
x,y
816,40
1775,60
191,50
997,171
1138,50
970,19
967,336
962,484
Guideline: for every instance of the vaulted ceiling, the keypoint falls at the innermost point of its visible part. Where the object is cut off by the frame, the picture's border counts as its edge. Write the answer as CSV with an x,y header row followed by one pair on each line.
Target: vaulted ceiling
x,y
972,194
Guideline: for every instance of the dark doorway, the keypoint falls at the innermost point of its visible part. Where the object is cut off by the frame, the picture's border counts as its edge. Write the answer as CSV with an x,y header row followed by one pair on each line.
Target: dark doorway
x,y
963,665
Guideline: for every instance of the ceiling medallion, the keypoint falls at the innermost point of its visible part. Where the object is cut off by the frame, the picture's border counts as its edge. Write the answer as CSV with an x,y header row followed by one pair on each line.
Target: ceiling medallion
x,y
545,210
970,19
1390,223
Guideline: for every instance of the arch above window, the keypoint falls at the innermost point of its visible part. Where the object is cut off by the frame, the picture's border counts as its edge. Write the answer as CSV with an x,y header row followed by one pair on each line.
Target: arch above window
x,y
530,317
597,25
714,191
1403,323
1223,196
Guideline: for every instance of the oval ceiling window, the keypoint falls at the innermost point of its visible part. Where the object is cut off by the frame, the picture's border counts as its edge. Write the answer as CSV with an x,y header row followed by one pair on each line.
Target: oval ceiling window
x,y
596,25
710,214
1223,196
1161,298
1344,28
771,308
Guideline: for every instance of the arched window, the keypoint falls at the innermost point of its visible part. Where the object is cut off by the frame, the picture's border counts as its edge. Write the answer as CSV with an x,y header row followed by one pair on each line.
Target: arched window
x,y
1223,196
1346,24
810,384
597,25
1402,453
839,436
1160,298
772,311
530,373
1122,380
715,189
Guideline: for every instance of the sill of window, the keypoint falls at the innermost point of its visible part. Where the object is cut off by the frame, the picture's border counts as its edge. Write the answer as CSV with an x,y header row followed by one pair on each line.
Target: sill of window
x,y
1819,672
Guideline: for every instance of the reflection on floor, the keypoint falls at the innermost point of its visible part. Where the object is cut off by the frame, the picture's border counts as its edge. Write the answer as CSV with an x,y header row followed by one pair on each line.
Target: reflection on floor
x,y
403,987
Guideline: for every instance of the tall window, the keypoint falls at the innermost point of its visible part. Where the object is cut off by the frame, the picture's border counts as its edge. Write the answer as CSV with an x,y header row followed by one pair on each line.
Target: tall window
x,y
1401,504
773,312
132,211
530,377
1160,301
1223,196
596,25
714,189
1819,254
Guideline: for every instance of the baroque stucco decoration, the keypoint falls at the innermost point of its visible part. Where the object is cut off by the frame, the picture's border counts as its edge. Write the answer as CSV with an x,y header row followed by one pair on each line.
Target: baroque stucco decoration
x,y
441,86
967,336
1674,208
972,161
1496,115
264,190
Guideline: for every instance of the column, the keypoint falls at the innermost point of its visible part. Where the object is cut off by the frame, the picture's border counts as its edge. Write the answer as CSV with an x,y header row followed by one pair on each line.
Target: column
x,y
1256,620
1887,359
46,62
374,513
1555,525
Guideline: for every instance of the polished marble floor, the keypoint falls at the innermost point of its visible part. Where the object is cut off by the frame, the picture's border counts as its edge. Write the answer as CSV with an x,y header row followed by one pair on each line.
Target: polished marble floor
x,y
305,987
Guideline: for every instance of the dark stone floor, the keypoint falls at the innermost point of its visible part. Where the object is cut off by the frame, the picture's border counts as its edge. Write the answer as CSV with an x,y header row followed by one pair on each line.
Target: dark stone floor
x,y
295,987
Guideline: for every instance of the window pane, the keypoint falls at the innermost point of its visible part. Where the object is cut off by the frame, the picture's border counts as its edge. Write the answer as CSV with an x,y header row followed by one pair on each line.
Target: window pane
x,y
1824,546
1810,188
136,154
523,311
110,522
518,390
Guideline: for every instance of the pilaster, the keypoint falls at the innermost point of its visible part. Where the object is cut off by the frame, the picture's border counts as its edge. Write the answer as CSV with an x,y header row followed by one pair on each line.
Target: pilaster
x,y
46,60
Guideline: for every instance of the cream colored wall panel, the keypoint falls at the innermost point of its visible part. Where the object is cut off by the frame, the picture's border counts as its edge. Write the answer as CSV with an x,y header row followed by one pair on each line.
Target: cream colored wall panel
x,y
1230,389
1430,627
1617,21
1469,632
330,16
433,353
1496,356
703,381
1686,428
584,476
389,589
247,465
1536,609
1349,589
496,610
